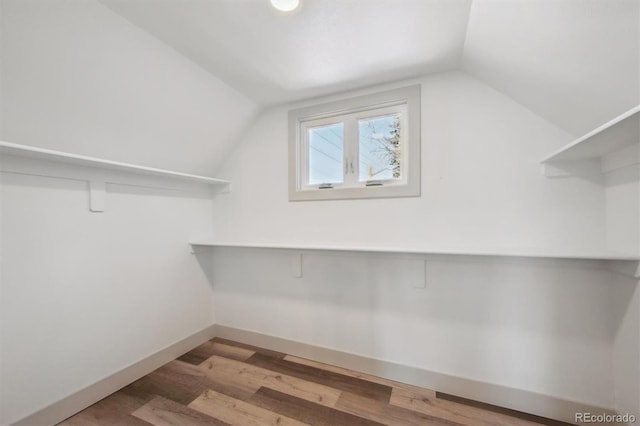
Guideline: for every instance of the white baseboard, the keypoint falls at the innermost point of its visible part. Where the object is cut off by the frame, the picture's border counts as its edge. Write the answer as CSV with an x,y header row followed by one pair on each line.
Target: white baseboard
x,y
516,399
83,398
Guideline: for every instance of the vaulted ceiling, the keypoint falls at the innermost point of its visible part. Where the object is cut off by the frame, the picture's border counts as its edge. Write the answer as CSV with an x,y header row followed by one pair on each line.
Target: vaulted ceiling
x,y
573,62
325,46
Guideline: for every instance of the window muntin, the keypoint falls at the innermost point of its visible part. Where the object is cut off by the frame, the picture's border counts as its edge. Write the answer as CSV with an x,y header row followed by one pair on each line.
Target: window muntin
x,y
375,137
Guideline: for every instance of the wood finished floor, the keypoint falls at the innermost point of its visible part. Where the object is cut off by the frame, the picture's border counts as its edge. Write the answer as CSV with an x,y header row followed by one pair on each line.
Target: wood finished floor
x,y
228,383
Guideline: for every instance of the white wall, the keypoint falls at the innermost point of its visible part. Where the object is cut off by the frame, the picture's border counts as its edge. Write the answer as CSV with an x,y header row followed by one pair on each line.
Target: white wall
x,y
622,202
481,184
574,62
543,326
540,325
83,294
77,77
626,349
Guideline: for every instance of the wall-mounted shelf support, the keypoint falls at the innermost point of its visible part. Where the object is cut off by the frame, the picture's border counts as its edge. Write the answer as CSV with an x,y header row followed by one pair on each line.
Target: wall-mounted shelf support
x,y
585,168
628,269
296,265
98,173
433,251
610,147
97,196
625,264
422,284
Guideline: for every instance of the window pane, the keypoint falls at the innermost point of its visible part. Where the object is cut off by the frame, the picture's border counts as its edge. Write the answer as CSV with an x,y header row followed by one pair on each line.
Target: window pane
x,y
325,154
379,148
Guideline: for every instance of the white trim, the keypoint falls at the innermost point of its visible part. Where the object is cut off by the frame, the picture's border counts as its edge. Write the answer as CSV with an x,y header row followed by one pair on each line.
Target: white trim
x,y
612,146
8,148
529,402
600,255
408,97
625,157
609,137
103,180
83,398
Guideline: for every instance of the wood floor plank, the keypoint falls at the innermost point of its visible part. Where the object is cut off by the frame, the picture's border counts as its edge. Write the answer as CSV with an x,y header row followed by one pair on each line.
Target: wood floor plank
x,y
182,382
428,393
113,410
414,397
224,382
82,419
238,413
305,411
164,412
254,377
177,381
208,349
455,412
387,414
488,411
256,349
325,377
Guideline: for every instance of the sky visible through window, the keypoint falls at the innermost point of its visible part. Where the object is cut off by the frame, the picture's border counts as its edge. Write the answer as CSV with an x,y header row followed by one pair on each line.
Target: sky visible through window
x,y
325,154
375,151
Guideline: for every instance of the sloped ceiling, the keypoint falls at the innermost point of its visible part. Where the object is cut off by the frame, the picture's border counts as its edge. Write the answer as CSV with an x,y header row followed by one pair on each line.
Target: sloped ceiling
x,y
77,77
325,46
573,62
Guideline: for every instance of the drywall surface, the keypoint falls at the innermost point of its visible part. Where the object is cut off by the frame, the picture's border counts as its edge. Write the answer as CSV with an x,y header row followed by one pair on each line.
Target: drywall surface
x,y
77,77
575,63
626,349
86,294
622,195
545,326
323,47
481,185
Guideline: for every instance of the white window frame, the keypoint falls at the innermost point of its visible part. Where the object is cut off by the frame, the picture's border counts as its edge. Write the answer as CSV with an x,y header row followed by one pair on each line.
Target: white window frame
x,y
404,101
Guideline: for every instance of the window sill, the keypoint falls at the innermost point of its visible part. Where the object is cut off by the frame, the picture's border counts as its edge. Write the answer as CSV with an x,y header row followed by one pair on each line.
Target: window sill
x,y
355,192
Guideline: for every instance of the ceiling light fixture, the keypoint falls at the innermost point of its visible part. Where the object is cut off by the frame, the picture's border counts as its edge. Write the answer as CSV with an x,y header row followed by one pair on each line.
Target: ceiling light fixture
x,y
285,5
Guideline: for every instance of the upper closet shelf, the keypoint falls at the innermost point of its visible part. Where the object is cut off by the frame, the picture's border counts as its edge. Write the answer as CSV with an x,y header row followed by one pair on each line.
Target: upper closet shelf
x,y
611,146
97,172
428,251
8,148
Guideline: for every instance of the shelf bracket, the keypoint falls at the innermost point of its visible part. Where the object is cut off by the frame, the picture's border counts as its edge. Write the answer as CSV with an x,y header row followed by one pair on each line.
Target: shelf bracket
x,y
97,196
296,265
567,168
422,283
627,268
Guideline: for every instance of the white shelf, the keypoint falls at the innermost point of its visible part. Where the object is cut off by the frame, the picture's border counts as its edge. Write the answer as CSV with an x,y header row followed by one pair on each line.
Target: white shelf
x,y
621,133
14,149
98,172
429,251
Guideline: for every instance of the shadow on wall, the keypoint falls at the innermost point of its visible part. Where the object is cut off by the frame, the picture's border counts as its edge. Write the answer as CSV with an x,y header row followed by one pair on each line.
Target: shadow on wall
x,y
535,324
162,188
205,260
565,298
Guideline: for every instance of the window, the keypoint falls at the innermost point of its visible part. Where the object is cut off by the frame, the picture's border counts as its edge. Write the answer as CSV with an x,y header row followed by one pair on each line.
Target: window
x,y
364,147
